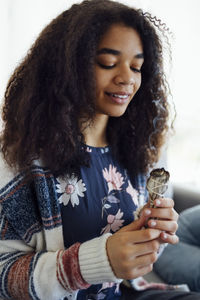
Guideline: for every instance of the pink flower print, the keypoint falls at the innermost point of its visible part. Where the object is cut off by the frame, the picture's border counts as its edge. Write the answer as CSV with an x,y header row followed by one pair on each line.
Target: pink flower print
x,y
71,189
113,178
111,199
133,192
88,149
114,222
106,285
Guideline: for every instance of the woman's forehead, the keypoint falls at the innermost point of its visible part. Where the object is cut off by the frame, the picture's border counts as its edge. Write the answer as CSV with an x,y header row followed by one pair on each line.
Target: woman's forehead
x,y
120,38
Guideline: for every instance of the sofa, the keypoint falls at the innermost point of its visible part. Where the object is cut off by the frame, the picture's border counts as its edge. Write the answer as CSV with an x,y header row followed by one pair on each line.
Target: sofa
x,y
184,198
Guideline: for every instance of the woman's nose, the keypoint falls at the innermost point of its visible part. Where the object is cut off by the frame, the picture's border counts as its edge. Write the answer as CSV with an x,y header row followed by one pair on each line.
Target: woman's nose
x,y
125,76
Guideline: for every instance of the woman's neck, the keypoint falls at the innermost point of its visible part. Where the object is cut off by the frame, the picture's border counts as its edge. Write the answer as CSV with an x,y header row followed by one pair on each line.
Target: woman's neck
x,y
95,132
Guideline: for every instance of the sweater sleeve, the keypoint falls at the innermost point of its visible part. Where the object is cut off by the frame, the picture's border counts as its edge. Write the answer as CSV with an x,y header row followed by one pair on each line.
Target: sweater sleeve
x,y
33,261
94,263
29,274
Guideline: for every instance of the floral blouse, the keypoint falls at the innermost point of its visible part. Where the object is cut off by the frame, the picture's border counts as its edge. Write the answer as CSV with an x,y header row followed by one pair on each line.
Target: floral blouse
x,y
102,200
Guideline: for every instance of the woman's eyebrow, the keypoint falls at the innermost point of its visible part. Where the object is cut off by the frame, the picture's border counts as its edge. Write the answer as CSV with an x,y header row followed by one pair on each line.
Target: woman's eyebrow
x,y
108,51
116,52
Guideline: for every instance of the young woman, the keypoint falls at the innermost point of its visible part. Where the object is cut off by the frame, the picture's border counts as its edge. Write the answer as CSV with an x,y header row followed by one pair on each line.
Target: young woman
x,y
85,115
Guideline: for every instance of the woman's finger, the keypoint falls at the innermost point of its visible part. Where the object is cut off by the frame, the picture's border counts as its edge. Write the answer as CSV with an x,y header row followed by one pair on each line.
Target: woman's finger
x,y
170,226
169,238
164,202
163,213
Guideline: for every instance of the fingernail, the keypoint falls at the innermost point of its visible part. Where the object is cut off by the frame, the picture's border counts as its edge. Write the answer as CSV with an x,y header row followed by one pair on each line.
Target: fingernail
x,y
158,202
152,223
147,212
164,236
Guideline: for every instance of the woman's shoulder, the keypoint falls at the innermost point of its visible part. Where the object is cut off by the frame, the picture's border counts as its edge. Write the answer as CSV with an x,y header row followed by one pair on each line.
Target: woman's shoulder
x,y
10,177
7,173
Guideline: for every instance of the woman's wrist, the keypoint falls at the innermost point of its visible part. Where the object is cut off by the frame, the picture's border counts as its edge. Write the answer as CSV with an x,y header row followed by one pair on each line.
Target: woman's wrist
x,y
94,263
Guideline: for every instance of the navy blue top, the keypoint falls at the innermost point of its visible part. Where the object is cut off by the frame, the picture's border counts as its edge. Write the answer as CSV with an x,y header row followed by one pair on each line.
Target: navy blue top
x,y
102,200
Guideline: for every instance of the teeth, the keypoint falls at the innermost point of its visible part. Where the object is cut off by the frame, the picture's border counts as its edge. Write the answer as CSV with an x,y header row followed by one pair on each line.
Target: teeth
x,y
120,96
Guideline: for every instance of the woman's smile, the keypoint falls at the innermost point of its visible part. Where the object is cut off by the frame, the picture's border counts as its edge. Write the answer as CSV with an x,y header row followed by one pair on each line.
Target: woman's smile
x,y
118,69
118,98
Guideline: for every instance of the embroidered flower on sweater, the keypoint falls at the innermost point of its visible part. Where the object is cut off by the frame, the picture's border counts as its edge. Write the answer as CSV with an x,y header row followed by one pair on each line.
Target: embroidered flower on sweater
x,y
114,222
133,192
71,190
106,285
113,178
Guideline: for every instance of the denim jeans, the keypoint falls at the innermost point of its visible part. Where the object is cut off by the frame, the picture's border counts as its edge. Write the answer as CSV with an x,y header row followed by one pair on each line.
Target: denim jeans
x,y
152,294
180,263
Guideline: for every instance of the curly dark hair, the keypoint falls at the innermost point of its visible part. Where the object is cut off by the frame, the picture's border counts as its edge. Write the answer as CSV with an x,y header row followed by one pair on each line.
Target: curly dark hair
x,y
55,83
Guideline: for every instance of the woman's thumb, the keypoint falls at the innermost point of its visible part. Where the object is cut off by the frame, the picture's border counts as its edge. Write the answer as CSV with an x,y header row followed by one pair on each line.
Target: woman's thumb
x,y
135,225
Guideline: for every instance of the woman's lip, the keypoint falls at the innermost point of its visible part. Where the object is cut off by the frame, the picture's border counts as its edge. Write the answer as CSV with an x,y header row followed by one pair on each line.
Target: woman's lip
x,y
119,93
118,98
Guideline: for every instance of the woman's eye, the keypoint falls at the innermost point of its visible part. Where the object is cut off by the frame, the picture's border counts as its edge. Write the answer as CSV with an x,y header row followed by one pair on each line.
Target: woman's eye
x,y
105,66
110,66
135,70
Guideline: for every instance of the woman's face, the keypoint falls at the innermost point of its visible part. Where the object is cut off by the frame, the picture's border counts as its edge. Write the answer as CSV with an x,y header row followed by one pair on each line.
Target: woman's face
x,y
117,69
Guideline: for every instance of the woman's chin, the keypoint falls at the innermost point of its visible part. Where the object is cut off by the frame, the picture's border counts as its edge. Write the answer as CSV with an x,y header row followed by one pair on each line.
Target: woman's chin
x,y
113,112
117,112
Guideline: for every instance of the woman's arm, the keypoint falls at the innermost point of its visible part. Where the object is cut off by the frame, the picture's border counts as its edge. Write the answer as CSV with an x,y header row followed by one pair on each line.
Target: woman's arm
x,y
27,274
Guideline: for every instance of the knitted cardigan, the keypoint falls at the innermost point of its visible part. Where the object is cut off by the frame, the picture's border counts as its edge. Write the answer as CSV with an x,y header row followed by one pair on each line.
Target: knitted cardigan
x,y
34,263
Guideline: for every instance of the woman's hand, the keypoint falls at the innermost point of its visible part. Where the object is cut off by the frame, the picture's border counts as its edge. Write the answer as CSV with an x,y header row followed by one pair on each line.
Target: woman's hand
x,y
164,218
133,250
